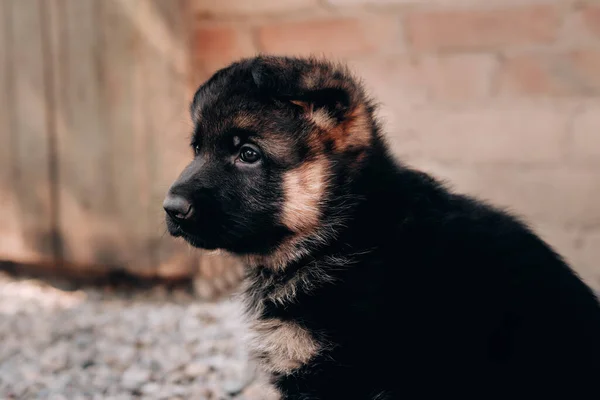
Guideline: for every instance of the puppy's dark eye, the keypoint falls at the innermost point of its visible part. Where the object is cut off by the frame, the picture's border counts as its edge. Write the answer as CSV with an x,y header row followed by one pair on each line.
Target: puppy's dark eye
x,y
196,149
249,154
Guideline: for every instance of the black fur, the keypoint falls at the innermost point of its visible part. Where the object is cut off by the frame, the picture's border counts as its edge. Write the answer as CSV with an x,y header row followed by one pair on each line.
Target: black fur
x,y
419,292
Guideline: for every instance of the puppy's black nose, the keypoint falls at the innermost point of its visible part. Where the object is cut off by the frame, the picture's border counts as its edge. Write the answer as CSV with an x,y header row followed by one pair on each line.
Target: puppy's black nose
x,y
178,207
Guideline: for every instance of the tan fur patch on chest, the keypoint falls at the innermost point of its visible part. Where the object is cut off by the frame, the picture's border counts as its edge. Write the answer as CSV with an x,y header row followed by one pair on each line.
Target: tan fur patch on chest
x,y
282,346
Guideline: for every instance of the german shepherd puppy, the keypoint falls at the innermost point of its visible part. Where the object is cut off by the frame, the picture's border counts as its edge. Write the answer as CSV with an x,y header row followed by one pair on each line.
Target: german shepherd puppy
x,y
367,279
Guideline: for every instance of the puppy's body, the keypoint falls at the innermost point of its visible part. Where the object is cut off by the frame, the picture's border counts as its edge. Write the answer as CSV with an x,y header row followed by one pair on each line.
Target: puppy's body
x,y
367,279
430,293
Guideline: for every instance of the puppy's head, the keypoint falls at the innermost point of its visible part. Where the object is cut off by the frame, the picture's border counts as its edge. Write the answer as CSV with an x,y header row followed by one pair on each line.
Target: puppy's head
x,y
276,140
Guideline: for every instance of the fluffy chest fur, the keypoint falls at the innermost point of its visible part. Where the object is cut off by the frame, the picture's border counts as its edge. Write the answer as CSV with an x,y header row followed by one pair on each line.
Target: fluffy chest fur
x,y
281,347
279,343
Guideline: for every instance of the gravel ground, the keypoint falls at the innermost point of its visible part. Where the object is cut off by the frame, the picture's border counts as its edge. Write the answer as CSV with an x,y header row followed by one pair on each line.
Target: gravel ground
x,y
102,343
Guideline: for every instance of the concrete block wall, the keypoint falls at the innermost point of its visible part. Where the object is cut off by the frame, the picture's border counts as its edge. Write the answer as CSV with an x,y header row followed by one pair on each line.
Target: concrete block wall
x,y
499,97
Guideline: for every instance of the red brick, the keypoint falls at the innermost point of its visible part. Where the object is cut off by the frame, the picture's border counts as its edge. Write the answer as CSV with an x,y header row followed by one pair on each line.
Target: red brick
x,y
591,18
585,135
520,132
556,196
459,78
249,7
536,76
337,37
217,46
409,82
395,83
585,65
397,78
482,29
563,74
582,26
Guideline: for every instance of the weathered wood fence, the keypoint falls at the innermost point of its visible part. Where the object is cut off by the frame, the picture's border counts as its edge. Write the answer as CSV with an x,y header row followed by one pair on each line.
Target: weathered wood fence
x,y
93,129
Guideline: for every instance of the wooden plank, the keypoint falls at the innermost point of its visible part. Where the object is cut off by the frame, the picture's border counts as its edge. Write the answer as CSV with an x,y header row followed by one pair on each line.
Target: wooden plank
x,y
118,92
92,234
121,111
28,212
120,106
11,240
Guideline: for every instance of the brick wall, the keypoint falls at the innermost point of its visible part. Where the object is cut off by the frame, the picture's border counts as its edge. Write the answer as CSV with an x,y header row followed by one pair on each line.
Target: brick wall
x,y
500,97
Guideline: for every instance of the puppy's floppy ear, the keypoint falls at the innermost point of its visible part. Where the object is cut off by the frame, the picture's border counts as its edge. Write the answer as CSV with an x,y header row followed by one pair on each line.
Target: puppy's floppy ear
x,y
286,81
335,101
306,106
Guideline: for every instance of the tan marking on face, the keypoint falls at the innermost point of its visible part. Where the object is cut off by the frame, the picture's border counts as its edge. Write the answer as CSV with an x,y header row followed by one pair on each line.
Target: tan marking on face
x,y
324,123
359,128
275,145
282,346
322,119
304,189
308,233
244,121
